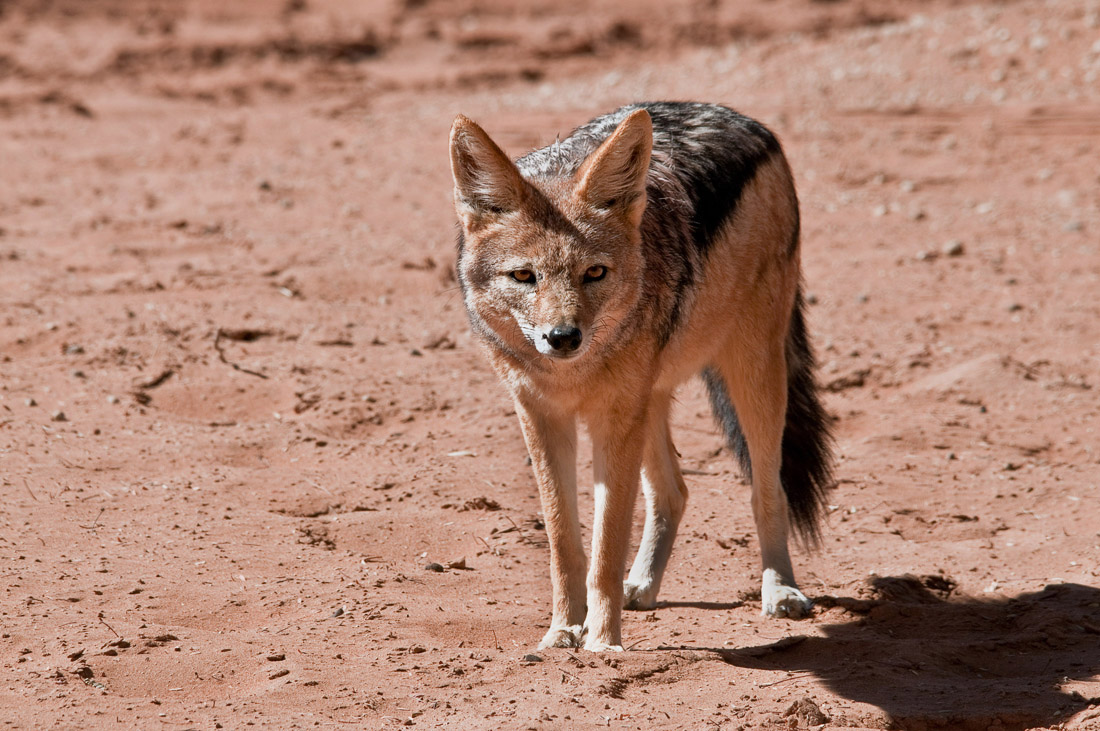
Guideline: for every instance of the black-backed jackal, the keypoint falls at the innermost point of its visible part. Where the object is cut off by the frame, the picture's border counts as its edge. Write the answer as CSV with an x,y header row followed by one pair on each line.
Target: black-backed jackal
x,y
657,242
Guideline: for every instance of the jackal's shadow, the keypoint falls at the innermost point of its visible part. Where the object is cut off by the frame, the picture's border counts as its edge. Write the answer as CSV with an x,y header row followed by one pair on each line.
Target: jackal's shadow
x,y
930,660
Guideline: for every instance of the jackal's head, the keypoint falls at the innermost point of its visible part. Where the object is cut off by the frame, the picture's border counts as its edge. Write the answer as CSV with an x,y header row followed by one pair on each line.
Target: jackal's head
x,y
551,263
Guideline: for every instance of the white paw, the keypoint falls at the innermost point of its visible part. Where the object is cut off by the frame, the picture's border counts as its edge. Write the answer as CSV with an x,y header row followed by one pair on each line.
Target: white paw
x,y
568,636
780,600
639,596
597,646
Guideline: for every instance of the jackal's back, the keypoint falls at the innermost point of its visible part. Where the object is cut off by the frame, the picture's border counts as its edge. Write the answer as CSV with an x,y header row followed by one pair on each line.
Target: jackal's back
x,y
703,156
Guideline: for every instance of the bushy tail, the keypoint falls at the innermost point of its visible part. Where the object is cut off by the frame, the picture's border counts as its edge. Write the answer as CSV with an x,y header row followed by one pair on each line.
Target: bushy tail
x,y
807,468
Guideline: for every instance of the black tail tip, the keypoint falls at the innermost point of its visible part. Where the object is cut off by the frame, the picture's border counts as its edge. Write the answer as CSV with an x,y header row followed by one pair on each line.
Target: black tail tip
x,y
807,471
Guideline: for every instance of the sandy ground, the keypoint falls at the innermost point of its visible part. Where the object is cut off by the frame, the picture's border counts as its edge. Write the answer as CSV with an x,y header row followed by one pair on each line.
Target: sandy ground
x,y
240,410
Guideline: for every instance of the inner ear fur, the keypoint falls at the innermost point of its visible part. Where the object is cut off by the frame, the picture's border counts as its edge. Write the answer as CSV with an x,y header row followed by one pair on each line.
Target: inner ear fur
x,y
614,176
487,183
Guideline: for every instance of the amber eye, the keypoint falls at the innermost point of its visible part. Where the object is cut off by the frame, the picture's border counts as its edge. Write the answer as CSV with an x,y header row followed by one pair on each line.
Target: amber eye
x,y
524,276
595,274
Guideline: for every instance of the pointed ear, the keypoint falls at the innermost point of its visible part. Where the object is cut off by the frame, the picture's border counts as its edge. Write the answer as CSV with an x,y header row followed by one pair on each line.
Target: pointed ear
x,y
487,183
614,176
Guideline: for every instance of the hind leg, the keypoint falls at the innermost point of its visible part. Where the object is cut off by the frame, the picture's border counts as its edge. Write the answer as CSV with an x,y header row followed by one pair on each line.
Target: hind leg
x,y
665,497
756,378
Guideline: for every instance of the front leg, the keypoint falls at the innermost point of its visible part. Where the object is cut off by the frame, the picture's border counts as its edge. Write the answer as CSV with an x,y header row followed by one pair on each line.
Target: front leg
x,y
552,443
616,460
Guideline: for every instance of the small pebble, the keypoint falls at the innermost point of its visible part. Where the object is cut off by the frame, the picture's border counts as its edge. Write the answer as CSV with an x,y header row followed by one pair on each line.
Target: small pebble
x,y
112,399
339,612
1073,226
531,658
862,299
58,416
1014,307
278,674
276,657
811,298
73,349
954,247
433,566
30,402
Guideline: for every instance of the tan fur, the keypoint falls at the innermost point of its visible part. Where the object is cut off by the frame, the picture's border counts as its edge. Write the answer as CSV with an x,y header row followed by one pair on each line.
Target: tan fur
x,y
621,387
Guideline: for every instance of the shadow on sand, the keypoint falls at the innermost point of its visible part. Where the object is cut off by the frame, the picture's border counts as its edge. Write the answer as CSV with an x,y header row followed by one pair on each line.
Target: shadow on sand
x,y
933,661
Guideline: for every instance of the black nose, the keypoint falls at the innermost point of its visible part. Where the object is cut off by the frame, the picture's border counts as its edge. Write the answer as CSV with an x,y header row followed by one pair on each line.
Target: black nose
x,y
564,338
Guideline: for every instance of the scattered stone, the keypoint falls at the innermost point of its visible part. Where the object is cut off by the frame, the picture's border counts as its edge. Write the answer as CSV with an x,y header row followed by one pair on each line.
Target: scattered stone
x,y
1073,226
954,247
264,185
530,659
807,711
112,399
855,379
276,657
459,564
862,298
480,503
1014,307
811,298
58,416
278,674
338,612
927,255
72,349
30,402
433,566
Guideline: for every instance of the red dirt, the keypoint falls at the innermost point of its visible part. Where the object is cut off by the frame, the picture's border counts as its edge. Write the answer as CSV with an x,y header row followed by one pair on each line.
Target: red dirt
x,y
226,245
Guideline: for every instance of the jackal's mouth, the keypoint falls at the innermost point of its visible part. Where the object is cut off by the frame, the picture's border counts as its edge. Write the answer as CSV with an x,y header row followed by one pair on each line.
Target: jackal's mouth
x,y
556,355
